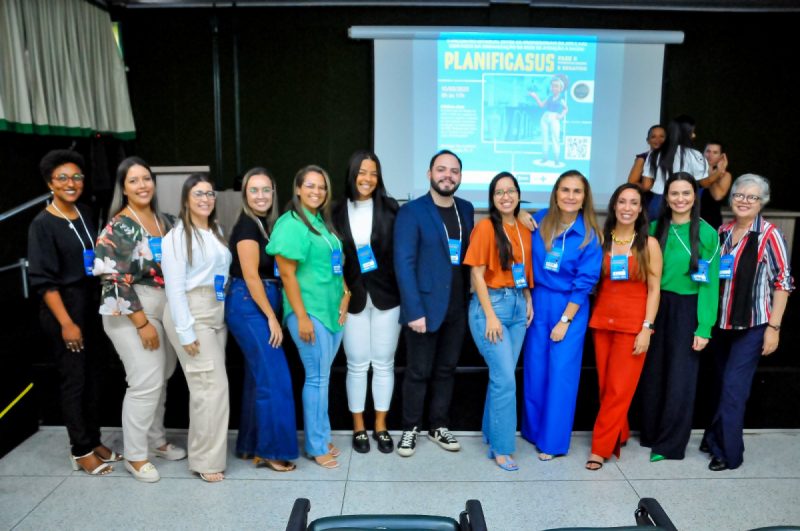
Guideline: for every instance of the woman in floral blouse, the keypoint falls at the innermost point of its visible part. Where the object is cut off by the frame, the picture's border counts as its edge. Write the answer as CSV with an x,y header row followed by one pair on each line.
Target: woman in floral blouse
x,y
128,256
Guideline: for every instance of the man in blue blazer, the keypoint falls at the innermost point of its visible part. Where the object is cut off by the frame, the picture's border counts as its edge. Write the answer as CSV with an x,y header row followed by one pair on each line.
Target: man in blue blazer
x,y
431,235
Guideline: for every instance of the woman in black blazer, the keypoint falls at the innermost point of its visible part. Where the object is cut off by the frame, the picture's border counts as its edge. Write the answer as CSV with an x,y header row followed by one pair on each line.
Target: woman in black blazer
x,y
365,221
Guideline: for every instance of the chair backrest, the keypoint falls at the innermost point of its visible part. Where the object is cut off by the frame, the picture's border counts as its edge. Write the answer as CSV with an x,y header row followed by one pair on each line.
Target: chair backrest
x,y
389,522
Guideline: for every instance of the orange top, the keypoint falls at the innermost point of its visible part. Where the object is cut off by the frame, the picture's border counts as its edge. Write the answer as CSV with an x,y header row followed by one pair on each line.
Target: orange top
x,y
620,305
483,251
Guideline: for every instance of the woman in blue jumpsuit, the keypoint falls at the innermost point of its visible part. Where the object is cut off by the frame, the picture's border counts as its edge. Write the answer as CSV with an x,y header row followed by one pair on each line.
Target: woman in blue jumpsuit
x,y
567,256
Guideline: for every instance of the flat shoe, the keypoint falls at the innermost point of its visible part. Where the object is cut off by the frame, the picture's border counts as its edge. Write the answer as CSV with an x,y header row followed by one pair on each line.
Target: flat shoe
x,y
171,453
207,477
385,442
593,462
545,457
360,442
655,458
509,465
287,465
147,473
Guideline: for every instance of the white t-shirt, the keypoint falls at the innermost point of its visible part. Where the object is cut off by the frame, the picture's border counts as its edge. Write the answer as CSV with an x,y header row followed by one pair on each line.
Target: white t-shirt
x,y
694,163
360,215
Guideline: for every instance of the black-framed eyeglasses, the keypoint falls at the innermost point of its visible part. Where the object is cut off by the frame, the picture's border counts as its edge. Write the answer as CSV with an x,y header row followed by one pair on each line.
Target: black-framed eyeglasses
x,y
63,178
199,194
746,198
511,192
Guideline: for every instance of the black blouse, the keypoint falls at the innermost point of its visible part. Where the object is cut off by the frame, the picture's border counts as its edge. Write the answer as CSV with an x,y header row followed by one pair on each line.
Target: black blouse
x,y
55,253
247,229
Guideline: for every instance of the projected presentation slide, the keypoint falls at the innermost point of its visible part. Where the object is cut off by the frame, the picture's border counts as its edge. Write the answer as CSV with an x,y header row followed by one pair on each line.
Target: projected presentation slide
x,y
522,105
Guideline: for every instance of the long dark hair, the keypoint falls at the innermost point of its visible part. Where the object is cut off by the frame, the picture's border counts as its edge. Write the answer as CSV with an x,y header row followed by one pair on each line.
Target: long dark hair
x,y
501,239
189,228
553,216
679,135
297,208
640,229
665,218
381,201
272,212
120,200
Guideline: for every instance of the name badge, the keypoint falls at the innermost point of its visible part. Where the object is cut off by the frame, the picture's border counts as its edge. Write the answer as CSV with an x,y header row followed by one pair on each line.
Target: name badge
x,y
619,267
219,287
88,261
726,266
366,259
518,271
455,251
155,248
275,269
552,262
701,275
336,261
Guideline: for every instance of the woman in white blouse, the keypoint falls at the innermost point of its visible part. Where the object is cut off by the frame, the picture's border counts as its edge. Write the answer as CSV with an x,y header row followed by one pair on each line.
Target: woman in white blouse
x,y
195,264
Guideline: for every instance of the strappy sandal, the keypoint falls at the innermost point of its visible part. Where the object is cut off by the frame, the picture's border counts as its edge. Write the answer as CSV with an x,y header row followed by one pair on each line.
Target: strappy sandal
x,y
113,456
335,452
100,470
206,476
275,465
328,463
591,462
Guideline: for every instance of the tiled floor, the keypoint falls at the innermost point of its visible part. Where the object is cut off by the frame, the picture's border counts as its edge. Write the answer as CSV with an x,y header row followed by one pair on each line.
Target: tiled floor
x,y
38,489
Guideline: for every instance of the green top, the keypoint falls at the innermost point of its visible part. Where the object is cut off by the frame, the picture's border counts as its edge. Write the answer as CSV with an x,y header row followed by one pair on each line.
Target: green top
x,y
676,276
320,288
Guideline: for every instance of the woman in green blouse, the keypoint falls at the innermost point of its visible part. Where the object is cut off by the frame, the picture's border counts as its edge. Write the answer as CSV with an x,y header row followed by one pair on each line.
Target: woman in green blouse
x,y
315,298
686,313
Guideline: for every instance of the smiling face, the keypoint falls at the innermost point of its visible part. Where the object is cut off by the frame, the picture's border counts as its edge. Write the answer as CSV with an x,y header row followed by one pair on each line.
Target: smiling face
x,y
445,175
201,203
366,179
680,197
313,191
260,194
66,190
139,187
506,196
570,195
628,207
744,209
656,137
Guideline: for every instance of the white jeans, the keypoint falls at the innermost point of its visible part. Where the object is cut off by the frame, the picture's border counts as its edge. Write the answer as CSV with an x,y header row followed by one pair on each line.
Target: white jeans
x,y
371,337
146,372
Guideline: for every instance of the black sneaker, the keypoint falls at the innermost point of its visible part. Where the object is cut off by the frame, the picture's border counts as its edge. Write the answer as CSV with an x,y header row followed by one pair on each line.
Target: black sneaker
x,y
444,438
408,442
360,441
385,443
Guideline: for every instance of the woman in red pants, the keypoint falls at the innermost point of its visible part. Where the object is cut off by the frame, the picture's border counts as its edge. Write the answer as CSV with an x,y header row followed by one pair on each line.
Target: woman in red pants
x,y
622,321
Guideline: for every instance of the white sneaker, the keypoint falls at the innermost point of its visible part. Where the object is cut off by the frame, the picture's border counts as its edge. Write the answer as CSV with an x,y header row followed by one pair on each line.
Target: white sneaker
x,y
408,442
172,453
147,473
444,438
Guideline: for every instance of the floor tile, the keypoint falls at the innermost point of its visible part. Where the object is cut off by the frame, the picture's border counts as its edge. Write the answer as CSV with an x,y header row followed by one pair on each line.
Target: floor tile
x,y
20,495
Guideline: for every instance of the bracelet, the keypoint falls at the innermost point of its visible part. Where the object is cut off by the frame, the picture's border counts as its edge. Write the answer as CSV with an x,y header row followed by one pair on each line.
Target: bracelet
x,y
146,322
347,292
774,327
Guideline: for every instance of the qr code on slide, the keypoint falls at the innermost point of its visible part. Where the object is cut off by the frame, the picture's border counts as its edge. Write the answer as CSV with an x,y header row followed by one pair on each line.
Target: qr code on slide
x,y
577,147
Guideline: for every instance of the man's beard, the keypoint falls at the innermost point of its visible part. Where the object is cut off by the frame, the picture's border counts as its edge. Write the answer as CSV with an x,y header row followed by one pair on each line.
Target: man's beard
x,y
445,193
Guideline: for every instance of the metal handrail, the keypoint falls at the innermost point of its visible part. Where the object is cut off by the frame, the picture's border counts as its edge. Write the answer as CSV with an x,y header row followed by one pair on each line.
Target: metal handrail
x,y
24,206
22,263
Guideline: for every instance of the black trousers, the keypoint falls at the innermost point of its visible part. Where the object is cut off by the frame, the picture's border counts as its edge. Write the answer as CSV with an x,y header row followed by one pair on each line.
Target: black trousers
x,y
432,358
669,377
79,372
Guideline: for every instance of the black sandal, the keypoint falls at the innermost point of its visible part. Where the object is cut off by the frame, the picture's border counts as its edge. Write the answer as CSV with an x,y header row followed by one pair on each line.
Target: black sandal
x,y
593,462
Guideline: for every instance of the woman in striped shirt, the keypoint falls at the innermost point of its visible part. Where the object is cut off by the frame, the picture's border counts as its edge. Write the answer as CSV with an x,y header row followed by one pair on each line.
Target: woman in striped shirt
x,y
755,282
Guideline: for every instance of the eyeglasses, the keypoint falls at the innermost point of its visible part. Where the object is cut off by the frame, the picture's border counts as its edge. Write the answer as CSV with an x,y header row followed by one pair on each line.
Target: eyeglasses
x,y
199,194
746,198
253,191
511,192
63,178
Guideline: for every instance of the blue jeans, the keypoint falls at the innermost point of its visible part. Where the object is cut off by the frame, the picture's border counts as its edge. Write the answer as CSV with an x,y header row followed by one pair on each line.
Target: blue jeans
x,y
500,410
268,427
317,359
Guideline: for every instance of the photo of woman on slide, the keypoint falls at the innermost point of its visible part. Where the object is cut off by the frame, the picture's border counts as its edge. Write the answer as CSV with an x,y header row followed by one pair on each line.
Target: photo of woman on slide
x,y
555,111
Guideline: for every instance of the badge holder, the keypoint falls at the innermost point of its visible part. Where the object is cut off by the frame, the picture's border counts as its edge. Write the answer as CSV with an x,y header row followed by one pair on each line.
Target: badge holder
x,y
366,259
219,287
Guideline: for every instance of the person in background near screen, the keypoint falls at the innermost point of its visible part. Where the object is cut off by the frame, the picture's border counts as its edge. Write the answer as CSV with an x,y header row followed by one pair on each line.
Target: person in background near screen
x,y
555,110
60,263
656,136
315,298
567,256
431,236
717,186
128,259
196,263
675,155
267,431
365,219
686,312
622,321
501,309
756,282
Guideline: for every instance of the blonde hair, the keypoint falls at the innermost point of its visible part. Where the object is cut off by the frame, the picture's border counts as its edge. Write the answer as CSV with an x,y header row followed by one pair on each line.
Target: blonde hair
x,y
553,216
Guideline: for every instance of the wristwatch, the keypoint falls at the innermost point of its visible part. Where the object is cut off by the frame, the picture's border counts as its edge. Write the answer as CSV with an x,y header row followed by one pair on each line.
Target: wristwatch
x,y
566,320
648,325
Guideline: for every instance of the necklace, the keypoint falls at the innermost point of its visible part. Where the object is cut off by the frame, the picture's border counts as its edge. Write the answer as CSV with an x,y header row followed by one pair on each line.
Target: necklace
x,y
619,241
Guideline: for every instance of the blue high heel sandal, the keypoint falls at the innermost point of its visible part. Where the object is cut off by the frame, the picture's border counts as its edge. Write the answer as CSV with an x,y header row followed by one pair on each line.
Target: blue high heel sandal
x,y
509,465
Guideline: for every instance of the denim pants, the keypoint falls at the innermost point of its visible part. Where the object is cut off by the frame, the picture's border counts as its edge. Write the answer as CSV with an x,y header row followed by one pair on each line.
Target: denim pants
x,y
267,428
317,359
500,410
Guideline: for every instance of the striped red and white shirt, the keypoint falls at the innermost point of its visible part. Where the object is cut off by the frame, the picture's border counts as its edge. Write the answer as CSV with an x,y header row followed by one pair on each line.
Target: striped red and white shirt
x,y
772,273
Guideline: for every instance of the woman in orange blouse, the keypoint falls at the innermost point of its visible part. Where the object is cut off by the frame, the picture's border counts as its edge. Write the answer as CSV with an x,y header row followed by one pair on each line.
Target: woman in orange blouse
x,y
500,311
626,305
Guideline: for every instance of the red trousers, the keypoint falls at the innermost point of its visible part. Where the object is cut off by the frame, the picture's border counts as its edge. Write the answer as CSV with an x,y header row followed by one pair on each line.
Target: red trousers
x,y
618,371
